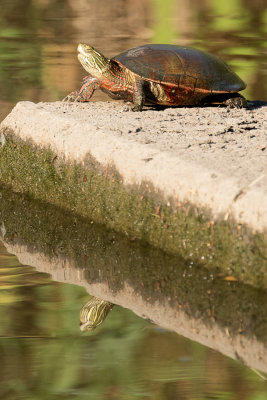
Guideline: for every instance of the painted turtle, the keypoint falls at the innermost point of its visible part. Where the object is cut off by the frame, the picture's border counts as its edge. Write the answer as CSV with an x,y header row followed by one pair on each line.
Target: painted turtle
x,y
160,74
93,313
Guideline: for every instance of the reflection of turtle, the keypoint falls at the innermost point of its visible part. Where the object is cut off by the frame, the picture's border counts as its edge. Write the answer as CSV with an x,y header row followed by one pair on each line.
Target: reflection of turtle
x,y
94,313
160,74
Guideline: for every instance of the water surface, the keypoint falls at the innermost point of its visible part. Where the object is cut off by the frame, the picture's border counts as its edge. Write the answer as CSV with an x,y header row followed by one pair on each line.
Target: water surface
x,y
44,354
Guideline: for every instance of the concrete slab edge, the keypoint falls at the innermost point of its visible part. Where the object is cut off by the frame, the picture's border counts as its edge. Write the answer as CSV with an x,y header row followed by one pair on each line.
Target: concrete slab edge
x,y
138,190
175,178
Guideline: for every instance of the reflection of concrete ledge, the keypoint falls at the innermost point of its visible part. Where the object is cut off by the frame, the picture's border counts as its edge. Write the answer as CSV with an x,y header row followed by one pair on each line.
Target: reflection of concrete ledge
x,y
190,181
245,348
175,293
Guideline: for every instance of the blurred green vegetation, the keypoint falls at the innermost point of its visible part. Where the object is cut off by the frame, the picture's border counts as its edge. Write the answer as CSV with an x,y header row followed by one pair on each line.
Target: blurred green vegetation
x,y
164,31
20,50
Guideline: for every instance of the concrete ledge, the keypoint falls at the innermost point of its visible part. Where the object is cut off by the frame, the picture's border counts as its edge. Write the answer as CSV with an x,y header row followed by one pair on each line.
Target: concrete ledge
x,y
209,157
163,176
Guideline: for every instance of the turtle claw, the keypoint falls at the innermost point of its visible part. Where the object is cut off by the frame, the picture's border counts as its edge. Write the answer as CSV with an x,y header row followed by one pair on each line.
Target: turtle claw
x,y
71,97
132,107
126,107
137,107
74,97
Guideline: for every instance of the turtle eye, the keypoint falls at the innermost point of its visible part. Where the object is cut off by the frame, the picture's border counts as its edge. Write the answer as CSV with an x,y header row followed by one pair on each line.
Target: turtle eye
x,y
84,49
89,49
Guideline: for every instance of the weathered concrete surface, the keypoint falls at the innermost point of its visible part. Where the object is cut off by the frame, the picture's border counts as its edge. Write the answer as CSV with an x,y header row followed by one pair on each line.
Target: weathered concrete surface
x,y
189,180
212,157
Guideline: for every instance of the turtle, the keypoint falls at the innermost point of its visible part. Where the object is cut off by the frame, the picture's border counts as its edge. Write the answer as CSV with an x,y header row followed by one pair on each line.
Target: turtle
x,y
161,74
93,313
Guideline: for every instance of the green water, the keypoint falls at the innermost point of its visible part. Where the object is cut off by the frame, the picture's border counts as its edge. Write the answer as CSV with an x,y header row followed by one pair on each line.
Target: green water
x,y
44,355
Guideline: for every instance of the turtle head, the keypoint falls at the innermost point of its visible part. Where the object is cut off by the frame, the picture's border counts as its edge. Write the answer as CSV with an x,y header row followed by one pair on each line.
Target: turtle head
x,y
86,327
92,61
94,313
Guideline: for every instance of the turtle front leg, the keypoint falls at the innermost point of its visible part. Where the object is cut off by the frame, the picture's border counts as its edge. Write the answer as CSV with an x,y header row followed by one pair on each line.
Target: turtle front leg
x,y
139,95
89,85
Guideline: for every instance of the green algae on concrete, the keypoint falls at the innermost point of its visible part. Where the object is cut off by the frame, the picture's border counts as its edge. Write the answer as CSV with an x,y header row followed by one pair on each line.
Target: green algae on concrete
x,y
99,194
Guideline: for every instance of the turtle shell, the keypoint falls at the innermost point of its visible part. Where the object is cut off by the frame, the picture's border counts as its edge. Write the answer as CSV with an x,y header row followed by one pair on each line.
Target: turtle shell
x,y
181,66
